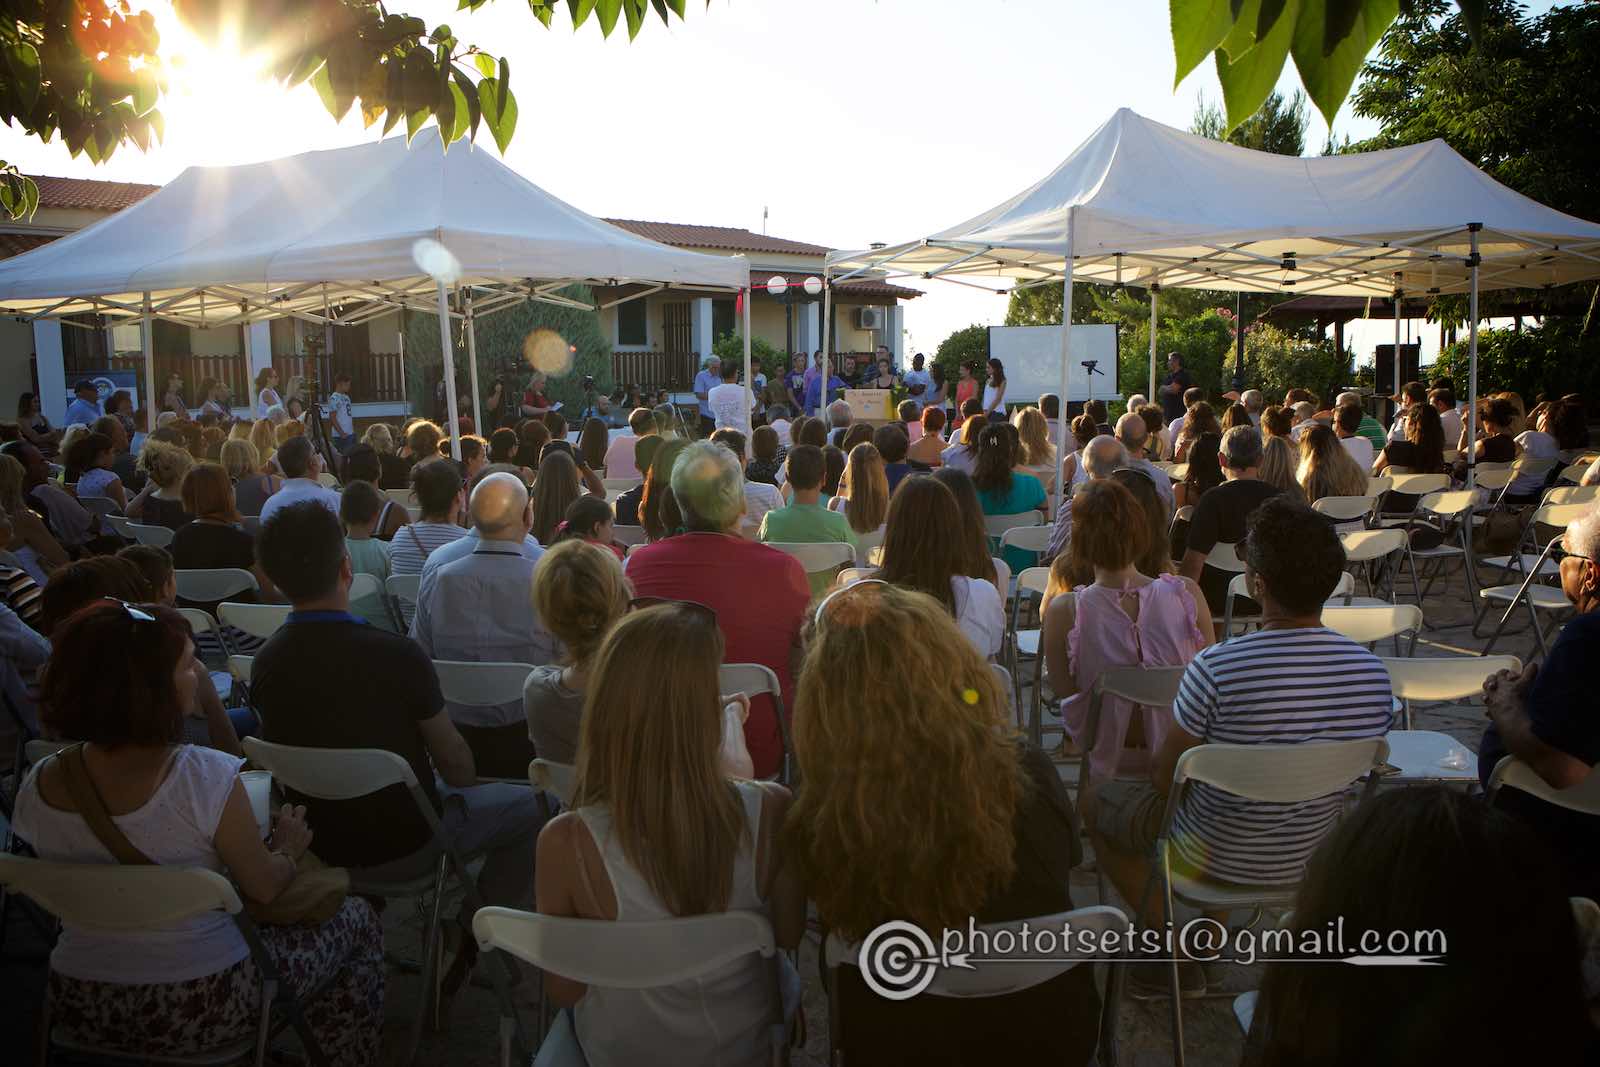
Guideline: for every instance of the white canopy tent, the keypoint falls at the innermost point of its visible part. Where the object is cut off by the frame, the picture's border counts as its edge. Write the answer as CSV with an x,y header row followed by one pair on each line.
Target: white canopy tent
x,y
332,237
1146,205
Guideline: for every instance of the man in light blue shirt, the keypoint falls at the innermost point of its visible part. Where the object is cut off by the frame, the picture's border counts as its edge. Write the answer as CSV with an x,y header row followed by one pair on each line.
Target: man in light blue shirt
x,y
478,608
301,466
85,406
704,382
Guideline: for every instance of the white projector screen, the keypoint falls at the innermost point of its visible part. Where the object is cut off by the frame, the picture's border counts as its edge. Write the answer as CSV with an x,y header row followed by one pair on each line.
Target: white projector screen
x,y
1032,358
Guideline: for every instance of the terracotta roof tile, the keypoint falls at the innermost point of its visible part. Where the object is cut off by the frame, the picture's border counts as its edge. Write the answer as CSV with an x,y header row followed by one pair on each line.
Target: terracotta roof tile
x,y
861,287
90,194
14,244
727,238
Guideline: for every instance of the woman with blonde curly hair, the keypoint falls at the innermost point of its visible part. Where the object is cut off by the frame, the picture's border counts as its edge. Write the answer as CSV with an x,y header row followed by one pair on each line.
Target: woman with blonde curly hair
x,y
920,804
658,829
264,437
1280,464
1327,468
1038,455
579,594
393,471
422,440
292,428
160,502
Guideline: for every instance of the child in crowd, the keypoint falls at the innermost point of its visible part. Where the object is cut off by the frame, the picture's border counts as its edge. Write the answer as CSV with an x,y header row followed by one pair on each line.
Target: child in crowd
x,y
156,565
341,420
765,464
359,507
588,518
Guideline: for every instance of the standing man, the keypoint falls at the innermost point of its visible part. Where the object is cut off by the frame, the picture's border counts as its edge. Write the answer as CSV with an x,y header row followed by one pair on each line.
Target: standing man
x,y
342,423
918,382
729,402
85,406
1177,382
707,380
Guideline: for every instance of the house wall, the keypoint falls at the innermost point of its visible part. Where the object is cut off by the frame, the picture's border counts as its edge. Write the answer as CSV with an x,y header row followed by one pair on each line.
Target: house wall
x,y
16,364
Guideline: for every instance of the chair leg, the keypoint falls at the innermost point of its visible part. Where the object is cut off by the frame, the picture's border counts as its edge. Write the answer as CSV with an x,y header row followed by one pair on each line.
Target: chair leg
x,y
1110,1015
430,965
1170,910
269,993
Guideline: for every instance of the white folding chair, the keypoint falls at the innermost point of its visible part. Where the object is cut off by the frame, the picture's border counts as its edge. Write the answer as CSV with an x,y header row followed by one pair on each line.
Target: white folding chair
x,y
818,557
1143,687
203,625
1510,771
754,679
403,590
1378,484
466,683
348,773
1178,472
621,485
869,546
257,620
628,536
123,527
642,954
1549,521
852,575
999,976
1346,509
1020,642
124,898
1371,547
365,585
103,506
213,585
554,778
1435,680
1573,494
251,525
159,536
997,525
1443,512
1002,577
401,496
1283,774
1369,625
1427,757
328,480
38,749
1035,539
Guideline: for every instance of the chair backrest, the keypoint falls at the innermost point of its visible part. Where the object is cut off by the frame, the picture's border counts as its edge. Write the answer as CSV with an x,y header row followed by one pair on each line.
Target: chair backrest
x,y
852,575
365,585
37,749
629,535
159,536
1419,484
869,546
817,557
1345,508
1033,580
621,484
123,527
1021,969
211,585
201,622
554,778
748,678
1027,538
328,480
1225,557
1584,797
241,667
1573,494
118,898
1447,504
257,620
1378,484
1149,687
1491,478
481,685
1284,774
404,587
1491,465
331,773
997,525
1363,545
1178,472
251,524
1366,625
1002,576
1449,678
1560,516
1183,514
400,496
100,505
626,955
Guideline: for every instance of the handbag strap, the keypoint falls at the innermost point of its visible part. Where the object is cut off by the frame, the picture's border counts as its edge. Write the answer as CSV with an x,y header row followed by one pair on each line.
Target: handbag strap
x,y
92,807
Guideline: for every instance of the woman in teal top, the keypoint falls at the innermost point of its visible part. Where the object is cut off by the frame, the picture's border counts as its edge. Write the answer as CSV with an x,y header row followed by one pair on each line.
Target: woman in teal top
x,y
1002,490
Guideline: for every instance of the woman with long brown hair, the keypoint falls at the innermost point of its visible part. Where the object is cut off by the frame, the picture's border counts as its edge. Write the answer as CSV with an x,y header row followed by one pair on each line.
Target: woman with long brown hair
x,y
975,559
860,830
1037,454
1326,467
922,550
658,508
657,830
592,442
1280,463
863,496
554,491
1200,420
215,538
1422,451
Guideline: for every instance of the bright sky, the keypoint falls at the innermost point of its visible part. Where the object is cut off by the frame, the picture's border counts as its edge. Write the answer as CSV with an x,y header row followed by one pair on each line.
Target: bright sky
x,y
852,121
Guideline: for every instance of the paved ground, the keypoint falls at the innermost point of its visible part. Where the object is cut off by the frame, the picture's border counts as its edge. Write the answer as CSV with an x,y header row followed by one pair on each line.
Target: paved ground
x,y
470,1038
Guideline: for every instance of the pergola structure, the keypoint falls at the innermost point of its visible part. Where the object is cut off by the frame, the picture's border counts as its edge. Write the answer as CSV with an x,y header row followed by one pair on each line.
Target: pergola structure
x,y
1146,205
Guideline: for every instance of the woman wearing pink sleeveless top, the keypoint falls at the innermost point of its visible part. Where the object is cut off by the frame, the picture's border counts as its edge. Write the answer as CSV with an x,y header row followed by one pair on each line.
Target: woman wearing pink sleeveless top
x,y
1123,619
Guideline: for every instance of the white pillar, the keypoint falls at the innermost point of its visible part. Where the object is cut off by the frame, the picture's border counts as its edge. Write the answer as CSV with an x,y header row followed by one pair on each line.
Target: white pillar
x,y
1472,357
1154,290
896,335
1063,425
827,340
808,329
147,341
749,396
1399,380
52,368
258,352
452,412
700,329
472,371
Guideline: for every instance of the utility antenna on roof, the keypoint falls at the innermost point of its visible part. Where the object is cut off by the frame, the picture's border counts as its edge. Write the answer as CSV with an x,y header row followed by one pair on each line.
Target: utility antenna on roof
x,y
763,220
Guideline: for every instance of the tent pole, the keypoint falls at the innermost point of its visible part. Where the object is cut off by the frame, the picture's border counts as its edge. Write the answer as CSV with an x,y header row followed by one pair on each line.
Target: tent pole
x,y
405,397
1063,425
1397,361
450,409
1154,289
827,341
1473,261
147,342
749,382
472,370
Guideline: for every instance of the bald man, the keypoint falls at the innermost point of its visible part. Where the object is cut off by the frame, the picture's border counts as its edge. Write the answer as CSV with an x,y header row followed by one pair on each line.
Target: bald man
x,y
479,608
1101,456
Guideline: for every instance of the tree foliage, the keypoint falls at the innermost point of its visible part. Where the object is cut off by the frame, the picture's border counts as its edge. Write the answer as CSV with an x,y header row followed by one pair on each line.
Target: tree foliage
x,y
1280,360
1251,39
1538,362
89,70
967,345
764,356
1276,126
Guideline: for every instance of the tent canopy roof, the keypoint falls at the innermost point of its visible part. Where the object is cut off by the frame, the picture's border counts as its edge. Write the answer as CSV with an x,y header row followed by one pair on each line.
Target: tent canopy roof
x,y
308,233
1146,204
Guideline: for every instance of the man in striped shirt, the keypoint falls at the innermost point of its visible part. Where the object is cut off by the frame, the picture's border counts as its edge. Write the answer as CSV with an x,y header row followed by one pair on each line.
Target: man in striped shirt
x,y
1292,682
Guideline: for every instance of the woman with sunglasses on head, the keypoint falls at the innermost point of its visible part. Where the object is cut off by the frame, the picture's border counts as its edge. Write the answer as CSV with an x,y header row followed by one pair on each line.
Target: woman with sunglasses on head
x,y
190,986
658,830
920,804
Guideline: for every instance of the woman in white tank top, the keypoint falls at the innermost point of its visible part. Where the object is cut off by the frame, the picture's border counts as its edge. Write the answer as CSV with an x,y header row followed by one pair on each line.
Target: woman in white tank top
x,y
658,830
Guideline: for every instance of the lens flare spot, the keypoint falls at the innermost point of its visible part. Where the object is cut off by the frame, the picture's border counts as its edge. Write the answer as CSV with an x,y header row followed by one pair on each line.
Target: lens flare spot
x,y
548,352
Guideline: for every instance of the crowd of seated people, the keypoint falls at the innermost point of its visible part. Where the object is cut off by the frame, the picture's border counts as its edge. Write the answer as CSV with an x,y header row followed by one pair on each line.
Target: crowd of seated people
x,y
675,811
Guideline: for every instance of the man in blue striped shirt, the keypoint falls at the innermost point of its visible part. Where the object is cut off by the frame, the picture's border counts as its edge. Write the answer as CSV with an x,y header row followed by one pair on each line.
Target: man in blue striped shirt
x,y
1291,682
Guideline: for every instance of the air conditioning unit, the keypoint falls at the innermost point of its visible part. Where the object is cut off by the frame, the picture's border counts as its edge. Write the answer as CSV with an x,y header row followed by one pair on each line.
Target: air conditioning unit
x,y
869,318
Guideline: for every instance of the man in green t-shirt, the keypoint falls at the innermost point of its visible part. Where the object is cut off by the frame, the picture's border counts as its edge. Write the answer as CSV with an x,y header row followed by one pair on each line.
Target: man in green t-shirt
x,y
804,520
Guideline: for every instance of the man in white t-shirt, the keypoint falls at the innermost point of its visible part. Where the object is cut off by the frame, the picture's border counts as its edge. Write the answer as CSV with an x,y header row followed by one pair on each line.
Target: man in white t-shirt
x,y
1444,402
918,382
730,402
759,497
1347,427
